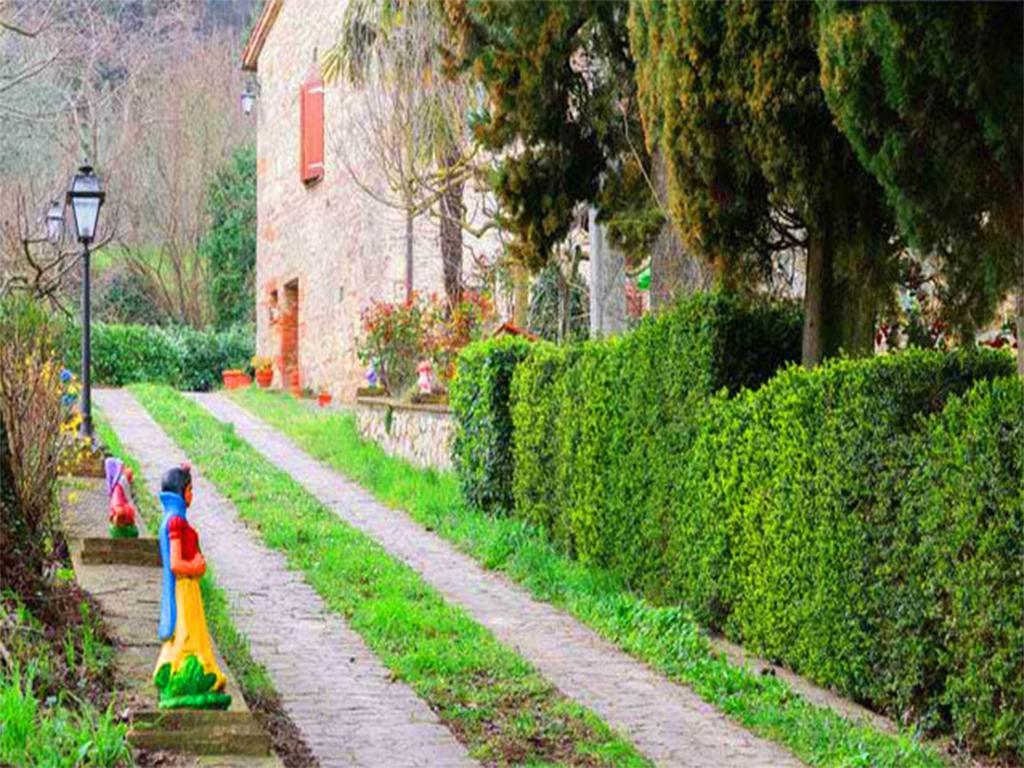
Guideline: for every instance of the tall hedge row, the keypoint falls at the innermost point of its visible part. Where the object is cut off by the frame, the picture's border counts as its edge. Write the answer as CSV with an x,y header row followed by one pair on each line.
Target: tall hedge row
x,y
180,356
862,523
794,526
599,428
953,627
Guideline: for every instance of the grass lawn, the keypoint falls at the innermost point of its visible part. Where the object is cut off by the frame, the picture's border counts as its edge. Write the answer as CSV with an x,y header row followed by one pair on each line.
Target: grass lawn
x,y
665,637
493,700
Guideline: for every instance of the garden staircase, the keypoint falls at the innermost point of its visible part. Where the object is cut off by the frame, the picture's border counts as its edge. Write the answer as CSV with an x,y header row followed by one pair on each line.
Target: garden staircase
x,y
124,577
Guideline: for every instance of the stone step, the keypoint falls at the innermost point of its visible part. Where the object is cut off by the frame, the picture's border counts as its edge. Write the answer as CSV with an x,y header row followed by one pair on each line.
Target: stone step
x,y
106,551
200,732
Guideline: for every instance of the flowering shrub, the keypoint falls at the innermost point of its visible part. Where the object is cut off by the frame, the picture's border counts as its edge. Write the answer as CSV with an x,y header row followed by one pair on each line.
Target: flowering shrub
x,y
397,336
31,439
447,335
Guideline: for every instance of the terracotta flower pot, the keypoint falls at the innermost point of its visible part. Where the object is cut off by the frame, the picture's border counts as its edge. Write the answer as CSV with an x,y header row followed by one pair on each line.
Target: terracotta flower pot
x,y
323,399
265,377
236,379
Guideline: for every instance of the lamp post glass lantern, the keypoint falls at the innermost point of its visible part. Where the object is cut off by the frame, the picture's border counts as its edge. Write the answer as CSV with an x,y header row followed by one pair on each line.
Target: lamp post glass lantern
x,y
54,222
248,100
85,196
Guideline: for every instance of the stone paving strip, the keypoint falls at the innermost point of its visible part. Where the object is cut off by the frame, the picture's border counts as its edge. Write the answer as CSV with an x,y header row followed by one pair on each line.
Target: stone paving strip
x,y
341,697
666,721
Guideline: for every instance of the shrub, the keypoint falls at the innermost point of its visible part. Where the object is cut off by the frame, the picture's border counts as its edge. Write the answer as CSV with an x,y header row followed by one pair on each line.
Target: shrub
x,y
787,529
397,336
536,450
180,356
203,355
482,448
620,415
31,438
954,581
845,521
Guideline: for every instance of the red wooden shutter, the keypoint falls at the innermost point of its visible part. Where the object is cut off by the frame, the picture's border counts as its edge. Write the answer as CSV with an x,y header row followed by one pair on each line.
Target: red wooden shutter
x,y
311,130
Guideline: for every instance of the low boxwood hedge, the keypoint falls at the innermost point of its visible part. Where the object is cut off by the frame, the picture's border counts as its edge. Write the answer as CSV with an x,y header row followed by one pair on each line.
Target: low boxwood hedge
x,y
183,357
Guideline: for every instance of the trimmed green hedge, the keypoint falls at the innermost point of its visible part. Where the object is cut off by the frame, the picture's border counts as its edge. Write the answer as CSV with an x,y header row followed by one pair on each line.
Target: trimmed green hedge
x,y
180,356
862,523
600,430
479,399
787,524
953,631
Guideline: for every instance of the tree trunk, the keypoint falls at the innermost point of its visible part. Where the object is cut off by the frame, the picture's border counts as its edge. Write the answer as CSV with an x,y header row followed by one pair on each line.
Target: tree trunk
x,y
408,254
839,304
815,281
451,240
1020,328
521,295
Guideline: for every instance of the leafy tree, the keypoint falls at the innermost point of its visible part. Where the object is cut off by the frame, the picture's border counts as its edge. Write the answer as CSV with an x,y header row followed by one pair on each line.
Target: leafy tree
x,y
229,248
560,90
730,93
931,96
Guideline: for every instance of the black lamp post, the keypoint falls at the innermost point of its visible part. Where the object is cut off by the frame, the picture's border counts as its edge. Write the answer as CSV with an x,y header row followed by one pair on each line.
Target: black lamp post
x,y
85,196
54,222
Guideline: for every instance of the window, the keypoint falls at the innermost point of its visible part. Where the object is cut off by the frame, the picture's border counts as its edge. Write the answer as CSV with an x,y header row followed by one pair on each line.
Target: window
x,y
311,130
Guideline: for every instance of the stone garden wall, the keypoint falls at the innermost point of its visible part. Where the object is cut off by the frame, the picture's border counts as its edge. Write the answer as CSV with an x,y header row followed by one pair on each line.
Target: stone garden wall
x,y
419,433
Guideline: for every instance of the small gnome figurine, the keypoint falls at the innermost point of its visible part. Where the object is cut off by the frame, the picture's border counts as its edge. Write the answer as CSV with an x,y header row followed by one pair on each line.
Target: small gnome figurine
x,y
426,379
122,507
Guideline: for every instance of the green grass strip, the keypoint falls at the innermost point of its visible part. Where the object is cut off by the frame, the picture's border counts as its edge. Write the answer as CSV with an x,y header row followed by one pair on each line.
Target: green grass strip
x,y
252,677
492,699
667,638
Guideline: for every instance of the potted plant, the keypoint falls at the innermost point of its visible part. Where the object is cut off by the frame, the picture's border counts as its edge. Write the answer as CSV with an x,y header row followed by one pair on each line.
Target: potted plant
x,y
264,368
235,378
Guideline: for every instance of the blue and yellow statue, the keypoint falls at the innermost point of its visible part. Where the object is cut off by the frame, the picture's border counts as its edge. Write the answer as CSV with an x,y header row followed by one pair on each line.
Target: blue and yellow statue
x,y
186,673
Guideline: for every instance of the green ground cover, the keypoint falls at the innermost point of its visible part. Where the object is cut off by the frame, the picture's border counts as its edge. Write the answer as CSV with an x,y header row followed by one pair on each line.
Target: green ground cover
x,y
495,702
666,637
50,688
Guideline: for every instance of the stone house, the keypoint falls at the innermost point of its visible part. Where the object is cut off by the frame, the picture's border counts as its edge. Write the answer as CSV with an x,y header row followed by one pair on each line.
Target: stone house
x,y
325,247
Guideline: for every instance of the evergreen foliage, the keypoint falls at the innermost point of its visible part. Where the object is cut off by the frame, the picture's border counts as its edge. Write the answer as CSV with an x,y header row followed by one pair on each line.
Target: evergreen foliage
x,y
177,355
599,429
931,97
861,523
230,246
559,81
730,94
479,397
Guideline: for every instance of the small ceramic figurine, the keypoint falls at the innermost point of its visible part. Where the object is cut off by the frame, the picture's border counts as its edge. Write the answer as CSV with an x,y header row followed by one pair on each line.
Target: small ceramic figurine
x,y
119,492
426,380
186,672
371,374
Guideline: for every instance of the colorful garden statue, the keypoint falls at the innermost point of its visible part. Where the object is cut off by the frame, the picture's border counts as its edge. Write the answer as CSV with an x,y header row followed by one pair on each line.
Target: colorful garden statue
x,y
426,379
371,374
119,492
186,673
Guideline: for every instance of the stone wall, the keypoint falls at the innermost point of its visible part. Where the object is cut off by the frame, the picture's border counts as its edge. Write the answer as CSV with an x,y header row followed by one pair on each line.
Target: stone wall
x,y
421,434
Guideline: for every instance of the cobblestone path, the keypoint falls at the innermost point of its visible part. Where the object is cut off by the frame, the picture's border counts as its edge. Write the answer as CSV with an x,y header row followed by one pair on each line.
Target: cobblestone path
x,y
666,721
335,690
